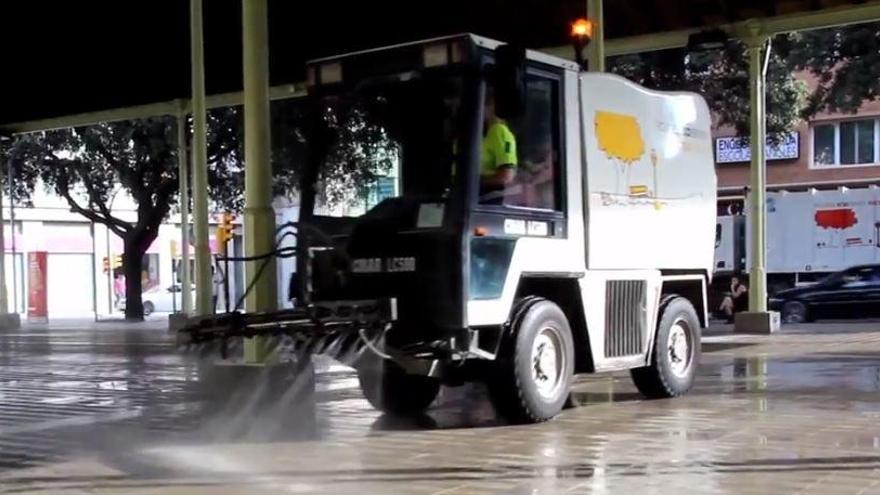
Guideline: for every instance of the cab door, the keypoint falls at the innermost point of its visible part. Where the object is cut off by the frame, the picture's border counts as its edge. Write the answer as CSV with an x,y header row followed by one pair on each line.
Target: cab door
x,y
531,203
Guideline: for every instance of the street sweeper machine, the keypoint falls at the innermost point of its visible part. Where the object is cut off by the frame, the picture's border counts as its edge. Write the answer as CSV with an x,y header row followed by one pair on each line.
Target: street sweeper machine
x,y
524,221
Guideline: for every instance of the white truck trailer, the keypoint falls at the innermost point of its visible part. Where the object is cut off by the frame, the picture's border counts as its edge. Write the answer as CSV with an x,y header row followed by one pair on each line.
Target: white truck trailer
x,y
575,238
809,235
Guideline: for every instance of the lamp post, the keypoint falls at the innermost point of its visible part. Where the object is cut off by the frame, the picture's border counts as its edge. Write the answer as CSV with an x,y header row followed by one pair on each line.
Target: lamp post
x,y
4,296
596,56
110,256
11,181
8,320
757,42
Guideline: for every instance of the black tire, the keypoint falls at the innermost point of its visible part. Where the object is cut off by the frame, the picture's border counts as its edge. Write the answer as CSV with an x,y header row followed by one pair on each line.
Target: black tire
x,y
668,375
795,312
390,389
148,308
515,386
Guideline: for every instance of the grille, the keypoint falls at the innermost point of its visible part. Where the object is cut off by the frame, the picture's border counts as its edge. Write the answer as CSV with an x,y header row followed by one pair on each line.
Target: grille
x,y
624,317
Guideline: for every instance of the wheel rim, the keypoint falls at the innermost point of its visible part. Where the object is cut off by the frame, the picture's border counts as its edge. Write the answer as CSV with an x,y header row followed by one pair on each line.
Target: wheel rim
x,y
548,362
795,313
678,347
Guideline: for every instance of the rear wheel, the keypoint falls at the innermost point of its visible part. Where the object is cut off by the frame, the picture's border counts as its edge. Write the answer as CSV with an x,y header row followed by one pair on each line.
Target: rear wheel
x,y
532,376
795,312
390,389
676,353
148,308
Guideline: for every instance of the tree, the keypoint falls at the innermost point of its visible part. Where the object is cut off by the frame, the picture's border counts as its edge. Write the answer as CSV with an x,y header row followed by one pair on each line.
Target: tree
x,y
87,165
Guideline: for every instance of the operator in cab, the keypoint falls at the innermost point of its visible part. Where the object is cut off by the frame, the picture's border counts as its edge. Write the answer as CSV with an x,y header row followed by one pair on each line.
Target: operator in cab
x,y
498,151
498,160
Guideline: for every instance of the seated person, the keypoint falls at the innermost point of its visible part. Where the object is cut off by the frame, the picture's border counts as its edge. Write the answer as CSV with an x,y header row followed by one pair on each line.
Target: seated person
x,y
497,155
736,300
293,289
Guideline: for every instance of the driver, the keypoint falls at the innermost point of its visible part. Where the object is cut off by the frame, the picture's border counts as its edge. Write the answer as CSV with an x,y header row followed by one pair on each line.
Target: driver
x,y
497,154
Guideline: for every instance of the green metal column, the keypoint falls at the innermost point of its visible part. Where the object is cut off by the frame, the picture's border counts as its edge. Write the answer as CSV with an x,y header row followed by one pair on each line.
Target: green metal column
x,y
4,297
183,177
757,44
200,164
259,217
596,48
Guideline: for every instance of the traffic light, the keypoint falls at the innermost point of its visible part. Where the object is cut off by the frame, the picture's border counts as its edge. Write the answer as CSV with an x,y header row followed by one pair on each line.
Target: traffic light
x,y
117,263
225,230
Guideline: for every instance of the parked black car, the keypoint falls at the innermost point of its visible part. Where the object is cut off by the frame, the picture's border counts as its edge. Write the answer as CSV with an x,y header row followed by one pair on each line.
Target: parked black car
x,y
852,293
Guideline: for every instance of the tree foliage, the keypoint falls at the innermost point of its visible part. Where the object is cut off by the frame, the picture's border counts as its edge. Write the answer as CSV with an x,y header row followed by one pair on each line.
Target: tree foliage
x,y
722,78
359,153
88,166
845,62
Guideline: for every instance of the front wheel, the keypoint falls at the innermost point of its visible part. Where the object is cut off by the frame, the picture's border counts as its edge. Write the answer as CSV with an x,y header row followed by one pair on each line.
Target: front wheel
x,y
390,389
148,308
532,376
676,353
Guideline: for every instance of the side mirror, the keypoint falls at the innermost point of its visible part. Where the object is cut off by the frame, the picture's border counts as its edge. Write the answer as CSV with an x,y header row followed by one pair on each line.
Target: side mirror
x,y
510,81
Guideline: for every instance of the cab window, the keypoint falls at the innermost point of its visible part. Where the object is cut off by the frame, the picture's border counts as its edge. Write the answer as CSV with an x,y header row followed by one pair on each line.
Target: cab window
x,y
520,158
856,277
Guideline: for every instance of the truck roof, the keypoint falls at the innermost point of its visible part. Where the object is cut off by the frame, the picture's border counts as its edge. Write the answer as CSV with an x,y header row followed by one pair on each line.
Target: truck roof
x,y
481,41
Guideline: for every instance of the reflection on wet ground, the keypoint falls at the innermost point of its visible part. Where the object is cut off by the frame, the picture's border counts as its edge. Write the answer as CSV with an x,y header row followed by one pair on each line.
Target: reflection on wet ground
x,y
116,408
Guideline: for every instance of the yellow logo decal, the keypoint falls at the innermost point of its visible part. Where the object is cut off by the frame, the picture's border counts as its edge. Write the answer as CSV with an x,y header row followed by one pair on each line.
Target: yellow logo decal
x,y
619,136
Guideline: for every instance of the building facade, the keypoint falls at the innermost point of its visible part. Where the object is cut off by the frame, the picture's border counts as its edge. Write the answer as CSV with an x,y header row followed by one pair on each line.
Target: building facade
x,y
829,151
82,258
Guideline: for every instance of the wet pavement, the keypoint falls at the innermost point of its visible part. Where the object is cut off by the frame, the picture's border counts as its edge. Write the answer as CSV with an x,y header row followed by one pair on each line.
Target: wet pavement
x,y
115,408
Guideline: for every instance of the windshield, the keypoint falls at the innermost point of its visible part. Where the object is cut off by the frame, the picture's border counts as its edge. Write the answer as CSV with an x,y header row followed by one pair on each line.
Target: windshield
x,y
833,279
866,274
388,139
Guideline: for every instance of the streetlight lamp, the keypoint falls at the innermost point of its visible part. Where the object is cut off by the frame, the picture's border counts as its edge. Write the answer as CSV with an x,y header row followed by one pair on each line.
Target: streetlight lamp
x,y
581,35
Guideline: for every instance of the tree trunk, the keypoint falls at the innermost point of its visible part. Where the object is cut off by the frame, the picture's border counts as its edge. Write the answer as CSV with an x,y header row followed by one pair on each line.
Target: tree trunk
x,y
132,265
